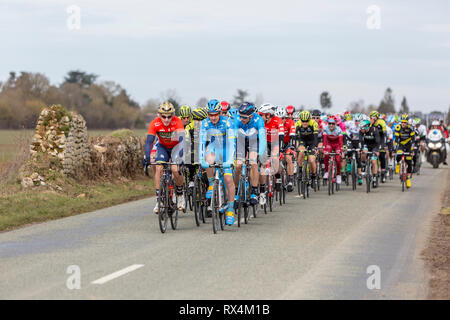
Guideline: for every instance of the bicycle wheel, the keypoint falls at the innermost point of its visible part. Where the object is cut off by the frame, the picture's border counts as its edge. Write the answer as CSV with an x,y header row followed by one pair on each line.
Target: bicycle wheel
x,y
368,177
246,201
239,208
215,208
354,174
299,181
330,182
163,205
174,215
283,182
196,201
269,192
403,176
222,207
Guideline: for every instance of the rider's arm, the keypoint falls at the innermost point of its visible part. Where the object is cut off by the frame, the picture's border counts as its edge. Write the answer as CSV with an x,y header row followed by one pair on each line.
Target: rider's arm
x,y
202,141
149,145
262,139
151,134
315,134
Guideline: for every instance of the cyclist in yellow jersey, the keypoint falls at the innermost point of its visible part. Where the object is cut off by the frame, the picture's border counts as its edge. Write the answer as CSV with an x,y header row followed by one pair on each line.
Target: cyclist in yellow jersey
x,y
380,124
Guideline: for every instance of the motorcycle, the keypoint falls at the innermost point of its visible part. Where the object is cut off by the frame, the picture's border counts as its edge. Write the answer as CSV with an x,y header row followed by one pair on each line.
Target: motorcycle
x,y
435,150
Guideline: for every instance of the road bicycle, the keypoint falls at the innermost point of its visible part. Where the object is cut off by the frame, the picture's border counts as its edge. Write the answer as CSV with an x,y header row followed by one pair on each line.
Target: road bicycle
x,y
353,167
218,199
403,169
332,173
167,208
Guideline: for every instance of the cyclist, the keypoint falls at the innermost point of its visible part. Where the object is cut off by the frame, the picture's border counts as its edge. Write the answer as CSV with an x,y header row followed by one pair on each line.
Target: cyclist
x,y
169,130
274,136
251,142
192,133
307,131
378,122
404,138
353,142
221,148
333,139
370,141
422,132
289,137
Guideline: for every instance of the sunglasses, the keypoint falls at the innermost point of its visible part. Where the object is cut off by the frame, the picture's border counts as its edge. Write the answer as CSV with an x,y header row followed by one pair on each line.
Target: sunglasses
x,y
244,117
315,118
185,118
332,124
166,117
213,114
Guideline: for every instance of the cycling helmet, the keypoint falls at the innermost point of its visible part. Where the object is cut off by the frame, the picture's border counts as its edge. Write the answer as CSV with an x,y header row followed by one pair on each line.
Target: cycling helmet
x,y
267,108
331,119
199,114
364,124
185,111
166,108
247,108
390,119
384,117
290,109
316,113
358,117
396,118
296,115
435,123
213,106
417,120
281,112
405,117
374,113
348,116
225,106
324,117
232,113
305,116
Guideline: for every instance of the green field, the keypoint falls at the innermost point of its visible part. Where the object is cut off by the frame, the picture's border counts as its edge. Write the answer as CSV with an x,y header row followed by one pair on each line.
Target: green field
x,y
19,206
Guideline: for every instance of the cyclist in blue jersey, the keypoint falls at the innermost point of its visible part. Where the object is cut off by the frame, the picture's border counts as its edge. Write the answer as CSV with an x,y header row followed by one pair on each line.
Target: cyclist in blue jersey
x,y
217,145
250,142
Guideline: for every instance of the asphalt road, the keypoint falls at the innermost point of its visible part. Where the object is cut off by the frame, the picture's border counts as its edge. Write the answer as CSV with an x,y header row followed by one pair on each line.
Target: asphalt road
x,y
319,248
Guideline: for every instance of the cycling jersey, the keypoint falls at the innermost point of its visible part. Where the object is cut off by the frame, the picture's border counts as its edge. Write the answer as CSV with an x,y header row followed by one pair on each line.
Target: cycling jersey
x,y
221,138
370,139
251,134
274,129
289,130
380,124
168,136
333,137
307,135
404,136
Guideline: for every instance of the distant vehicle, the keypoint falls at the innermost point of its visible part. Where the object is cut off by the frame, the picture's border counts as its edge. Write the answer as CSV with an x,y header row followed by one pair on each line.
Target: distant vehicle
x,y
436,148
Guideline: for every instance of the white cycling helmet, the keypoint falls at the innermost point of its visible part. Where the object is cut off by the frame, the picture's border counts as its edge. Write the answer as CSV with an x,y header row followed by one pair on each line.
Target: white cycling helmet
x,y
358,117
435,123
267,108
281,112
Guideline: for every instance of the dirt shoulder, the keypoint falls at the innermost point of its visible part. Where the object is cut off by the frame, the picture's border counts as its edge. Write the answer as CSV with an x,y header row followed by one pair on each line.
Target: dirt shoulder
x,y
437,252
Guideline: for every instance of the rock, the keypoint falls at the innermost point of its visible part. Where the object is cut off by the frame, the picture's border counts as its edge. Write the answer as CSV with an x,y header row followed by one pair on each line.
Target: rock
x,y
27,182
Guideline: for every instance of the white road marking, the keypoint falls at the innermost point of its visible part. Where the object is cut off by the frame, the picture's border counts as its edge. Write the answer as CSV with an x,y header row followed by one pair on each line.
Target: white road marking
x,y
117,274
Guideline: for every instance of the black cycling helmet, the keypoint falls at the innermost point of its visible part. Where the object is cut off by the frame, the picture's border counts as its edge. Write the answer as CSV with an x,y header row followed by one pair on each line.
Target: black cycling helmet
x,y
247,108
316,113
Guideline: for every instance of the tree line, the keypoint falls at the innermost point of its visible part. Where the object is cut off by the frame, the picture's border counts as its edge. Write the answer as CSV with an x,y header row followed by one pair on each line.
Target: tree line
x,y
106,105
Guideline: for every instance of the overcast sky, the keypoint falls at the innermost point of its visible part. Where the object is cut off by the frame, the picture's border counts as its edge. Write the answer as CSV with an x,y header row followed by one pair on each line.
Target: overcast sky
x,y
288,51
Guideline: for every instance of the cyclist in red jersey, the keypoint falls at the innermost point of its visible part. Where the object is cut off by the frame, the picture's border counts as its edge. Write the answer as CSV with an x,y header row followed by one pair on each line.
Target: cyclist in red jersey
x,y
288,149
170,132
275,136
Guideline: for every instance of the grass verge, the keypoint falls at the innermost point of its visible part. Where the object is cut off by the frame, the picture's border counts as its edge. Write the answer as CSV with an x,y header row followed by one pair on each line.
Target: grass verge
x,y
18,208
437,253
